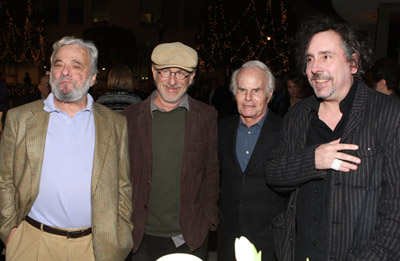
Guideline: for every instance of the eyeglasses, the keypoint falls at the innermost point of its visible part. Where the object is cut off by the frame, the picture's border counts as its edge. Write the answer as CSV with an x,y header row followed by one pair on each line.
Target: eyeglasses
x,y
180,75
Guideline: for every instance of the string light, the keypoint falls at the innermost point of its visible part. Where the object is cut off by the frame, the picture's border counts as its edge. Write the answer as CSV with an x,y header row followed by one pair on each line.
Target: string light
x,y
258,32
22,44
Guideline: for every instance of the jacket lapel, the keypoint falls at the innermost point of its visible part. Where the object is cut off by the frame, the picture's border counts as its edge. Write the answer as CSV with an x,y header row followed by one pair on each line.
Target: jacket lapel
x,y
192,118
102,141
265,140
357,108
232,143
145,133
35,144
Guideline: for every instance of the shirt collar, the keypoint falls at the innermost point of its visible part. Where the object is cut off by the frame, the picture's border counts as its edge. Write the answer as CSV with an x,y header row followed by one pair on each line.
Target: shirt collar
x,y
260,123
49,105
346,104
183,104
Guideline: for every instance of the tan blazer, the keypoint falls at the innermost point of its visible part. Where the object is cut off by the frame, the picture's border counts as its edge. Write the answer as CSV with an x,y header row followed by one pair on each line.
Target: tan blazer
x,y
21,156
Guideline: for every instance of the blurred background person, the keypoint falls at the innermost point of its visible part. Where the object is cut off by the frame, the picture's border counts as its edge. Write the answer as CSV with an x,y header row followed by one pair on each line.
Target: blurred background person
x,y
295,88
27,79
43,90
384,77
120,90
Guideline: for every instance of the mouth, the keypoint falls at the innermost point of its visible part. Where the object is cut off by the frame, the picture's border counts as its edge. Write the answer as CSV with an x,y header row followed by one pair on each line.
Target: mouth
x,y
172,90
321,80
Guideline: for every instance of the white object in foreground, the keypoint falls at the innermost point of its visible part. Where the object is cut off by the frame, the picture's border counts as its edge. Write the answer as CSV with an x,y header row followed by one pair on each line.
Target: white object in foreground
x,y
245,250
179,257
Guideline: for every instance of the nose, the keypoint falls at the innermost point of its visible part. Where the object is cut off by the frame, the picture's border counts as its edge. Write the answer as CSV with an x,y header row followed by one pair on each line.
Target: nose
x,y
315,66
65,70
171,79
248,96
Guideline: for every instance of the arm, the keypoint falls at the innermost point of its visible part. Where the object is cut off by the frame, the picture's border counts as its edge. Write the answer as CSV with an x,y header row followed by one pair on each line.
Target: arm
x,y
291,163
8,214
384,244
211,176
125,187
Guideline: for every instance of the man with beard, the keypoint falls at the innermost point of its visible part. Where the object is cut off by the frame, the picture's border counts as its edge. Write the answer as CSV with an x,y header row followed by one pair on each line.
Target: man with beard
x,y
173,148
339,154
65,191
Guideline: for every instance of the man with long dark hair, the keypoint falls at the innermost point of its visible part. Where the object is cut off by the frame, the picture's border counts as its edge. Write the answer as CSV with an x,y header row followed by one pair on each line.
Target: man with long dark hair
x,y
338,154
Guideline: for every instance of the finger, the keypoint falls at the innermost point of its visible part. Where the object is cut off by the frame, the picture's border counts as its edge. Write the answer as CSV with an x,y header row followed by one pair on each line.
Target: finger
x,y
348,158
344,146
346,167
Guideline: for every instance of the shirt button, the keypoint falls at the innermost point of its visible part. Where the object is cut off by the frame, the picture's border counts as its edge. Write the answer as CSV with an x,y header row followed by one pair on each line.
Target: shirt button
x,y
313,244
241,201
316,191
314,219
247,152
249,132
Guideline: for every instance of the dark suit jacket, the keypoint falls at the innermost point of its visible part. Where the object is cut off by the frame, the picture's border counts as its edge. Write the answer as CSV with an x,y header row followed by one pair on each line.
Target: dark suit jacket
x,y
363,205
247,204
200,171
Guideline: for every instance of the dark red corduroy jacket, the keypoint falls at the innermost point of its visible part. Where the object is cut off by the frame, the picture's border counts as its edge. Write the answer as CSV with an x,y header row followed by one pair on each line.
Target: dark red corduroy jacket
x,y
200,171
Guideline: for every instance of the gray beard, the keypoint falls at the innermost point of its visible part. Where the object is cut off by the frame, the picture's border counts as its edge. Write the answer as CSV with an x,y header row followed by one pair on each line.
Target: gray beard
x,y
77,93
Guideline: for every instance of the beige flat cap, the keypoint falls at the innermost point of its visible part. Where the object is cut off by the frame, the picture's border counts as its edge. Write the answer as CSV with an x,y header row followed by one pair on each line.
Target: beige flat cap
x,y
174,55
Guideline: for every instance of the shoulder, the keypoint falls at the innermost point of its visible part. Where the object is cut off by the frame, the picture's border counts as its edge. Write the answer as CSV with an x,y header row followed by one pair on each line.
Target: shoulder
x,y
27,109
107,112
201,108
273,120
388,105
228,122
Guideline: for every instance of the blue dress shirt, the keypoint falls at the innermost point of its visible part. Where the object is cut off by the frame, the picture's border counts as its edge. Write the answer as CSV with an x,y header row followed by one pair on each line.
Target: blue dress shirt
x,y
246,140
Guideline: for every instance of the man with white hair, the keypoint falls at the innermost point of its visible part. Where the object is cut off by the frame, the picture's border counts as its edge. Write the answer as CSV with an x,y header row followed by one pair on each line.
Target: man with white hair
x,y
65,192
247,204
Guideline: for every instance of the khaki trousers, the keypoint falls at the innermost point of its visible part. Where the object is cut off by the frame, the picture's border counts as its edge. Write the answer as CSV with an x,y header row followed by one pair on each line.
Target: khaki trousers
x,y
30,243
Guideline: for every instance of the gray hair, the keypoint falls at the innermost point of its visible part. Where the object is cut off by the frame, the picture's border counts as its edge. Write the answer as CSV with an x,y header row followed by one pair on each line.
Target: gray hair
x,y
253,64
88,45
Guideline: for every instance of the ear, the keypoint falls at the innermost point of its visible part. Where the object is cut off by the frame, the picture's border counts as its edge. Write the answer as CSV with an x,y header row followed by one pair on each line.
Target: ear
x,y
154,71
269,97
354,63
381,85
191,77
93,80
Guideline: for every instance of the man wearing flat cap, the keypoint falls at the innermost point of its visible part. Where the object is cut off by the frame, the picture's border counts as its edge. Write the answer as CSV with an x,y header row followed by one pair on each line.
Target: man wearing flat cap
x,y
174,163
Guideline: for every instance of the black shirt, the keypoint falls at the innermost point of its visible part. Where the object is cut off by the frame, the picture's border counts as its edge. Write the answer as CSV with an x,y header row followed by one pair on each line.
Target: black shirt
x,y
312,199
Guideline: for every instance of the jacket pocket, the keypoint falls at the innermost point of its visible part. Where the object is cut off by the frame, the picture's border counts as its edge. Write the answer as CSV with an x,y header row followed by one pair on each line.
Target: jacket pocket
x,y
369,172
283,231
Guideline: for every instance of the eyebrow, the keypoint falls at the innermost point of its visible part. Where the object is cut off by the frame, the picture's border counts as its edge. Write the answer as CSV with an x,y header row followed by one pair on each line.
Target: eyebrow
x,y
73,61
321,53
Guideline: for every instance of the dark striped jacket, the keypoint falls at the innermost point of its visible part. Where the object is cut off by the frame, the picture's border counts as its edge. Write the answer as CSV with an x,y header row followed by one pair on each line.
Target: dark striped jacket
x,y
364,205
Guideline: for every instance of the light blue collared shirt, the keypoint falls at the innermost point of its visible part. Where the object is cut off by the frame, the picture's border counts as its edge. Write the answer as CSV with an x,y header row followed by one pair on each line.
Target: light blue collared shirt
x,y
64,198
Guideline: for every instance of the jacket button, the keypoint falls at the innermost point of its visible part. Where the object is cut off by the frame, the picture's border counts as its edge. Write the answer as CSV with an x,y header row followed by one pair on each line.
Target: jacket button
x,y
148,181
145,206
